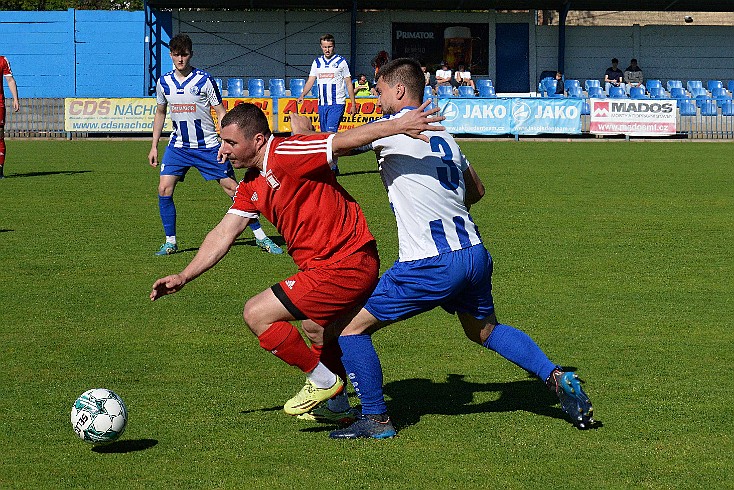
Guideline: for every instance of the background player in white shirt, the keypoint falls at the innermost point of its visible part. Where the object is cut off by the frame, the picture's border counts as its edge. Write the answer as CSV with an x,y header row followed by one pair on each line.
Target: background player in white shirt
x,y
442,262
191,94
331,73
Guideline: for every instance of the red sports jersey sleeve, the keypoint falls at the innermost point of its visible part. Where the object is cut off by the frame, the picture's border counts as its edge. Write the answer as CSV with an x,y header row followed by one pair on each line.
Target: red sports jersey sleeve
x,y
4,70
298,192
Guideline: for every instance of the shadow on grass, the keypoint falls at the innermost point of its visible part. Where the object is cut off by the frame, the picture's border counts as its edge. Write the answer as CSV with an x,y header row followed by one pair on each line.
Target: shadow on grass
x,y
5,231
42,174
413,398
126,446
249,242
264,409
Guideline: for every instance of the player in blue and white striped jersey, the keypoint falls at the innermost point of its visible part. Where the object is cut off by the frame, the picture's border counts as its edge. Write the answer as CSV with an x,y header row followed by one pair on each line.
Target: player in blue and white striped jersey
x,y
331,73
442,262
191,94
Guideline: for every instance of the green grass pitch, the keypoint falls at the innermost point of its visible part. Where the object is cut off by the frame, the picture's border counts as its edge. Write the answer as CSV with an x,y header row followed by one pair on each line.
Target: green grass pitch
x,y
616,257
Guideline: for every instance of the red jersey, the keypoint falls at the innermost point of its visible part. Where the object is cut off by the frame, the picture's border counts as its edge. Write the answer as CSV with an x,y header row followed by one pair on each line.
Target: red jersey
x,y
298,192
4,70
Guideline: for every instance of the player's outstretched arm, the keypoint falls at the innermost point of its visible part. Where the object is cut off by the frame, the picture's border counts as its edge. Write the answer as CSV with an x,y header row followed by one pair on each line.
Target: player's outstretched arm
x,y
412,123
215,246
306,89
301,124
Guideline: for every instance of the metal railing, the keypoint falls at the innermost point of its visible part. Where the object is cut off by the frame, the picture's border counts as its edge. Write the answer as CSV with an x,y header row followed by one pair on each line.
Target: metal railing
x,y
36,118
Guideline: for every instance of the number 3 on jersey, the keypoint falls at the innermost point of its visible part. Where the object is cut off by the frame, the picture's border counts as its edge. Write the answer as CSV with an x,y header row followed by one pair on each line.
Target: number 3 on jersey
x,y
448,175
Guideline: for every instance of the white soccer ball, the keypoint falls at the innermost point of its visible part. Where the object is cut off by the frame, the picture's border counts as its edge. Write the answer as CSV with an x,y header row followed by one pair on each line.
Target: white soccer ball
x,y
99,416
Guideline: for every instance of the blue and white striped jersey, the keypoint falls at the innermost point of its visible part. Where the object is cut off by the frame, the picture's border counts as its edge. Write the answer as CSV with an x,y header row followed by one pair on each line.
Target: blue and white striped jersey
x,y
190,104
426,188
330,75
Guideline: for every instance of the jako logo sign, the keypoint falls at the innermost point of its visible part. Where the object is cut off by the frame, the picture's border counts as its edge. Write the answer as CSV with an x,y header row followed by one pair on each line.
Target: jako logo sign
x,y
450,112
520,112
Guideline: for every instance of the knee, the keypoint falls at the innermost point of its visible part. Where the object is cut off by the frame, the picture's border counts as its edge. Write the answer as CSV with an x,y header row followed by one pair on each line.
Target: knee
x,y
252,318
165,190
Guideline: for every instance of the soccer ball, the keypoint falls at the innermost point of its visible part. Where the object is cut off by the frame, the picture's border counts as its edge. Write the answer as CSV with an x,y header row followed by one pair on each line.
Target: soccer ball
x,y
99,416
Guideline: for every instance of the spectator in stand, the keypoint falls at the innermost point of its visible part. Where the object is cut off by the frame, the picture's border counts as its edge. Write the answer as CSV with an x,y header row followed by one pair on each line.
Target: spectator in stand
x,y
362,87
560,89
633,76
463,77
613,76
443,75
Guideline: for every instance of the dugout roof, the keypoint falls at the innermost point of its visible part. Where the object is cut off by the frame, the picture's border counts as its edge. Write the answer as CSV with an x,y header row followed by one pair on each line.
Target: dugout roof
x,y
560,5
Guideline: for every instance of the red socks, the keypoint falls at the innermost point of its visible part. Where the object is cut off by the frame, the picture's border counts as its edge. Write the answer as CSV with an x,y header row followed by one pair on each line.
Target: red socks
x,y
285,342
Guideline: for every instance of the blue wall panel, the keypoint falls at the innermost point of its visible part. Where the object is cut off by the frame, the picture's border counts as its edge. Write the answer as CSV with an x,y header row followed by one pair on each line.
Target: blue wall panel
x,y
40,48
84,53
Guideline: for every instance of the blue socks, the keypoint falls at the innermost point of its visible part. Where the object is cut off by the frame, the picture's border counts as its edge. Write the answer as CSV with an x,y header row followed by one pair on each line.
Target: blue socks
x,y
517,346
364,371
168,214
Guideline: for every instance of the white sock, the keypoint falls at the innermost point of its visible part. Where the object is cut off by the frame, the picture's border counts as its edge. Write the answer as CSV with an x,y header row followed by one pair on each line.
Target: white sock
x,y
259,234
322,377
340,403
171,239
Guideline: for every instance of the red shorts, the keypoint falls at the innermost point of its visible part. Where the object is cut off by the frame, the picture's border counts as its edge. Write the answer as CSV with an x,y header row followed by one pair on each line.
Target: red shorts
x,y
327,293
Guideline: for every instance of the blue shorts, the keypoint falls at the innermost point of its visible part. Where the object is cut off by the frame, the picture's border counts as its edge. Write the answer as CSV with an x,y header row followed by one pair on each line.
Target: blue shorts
x,y
330,116
459,281
178,161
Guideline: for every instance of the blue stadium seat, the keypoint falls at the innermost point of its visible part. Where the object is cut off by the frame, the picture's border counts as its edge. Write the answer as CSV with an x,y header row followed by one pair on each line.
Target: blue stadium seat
x,y
657,93
427,92
596,92
315,90
727,108
698,91
256,87
487,91
692,85
296,85
617,92
576,91
720,94
543,86
220,84
687,107
673,84
714,84
651,84
483,82
570,84
445,91
549,87
591,83
466,91
678,93
700,99
235,87
637,93
277,87
730,86
709,108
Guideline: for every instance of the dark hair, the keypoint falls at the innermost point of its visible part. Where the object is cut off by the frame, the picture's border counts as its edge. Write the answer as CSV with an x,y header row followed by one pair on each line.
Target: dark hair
x,y
180,43
615,60
249,118
407,72
328,38
633,60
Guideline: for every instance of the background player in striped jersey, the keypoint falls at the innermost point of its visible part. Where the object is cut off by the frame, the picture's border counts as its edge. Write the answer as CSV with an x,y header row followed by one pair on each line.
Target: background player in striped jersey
x,y
289,181
191,94
442,261
7,74
331,72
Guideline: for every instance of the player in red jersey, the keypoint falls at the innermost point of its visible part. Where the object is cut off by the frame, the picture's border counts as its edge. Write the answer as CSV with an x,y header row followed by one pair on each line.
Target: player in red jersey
x,y
290,181
7,73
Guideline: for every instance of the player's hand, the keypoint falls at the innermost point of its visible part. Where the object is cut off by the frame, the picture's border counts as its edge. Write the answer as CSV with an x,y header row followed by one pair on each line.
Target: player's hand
x,y
16,105
353,109
301,124
153,157
300,100
414,122
166,285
